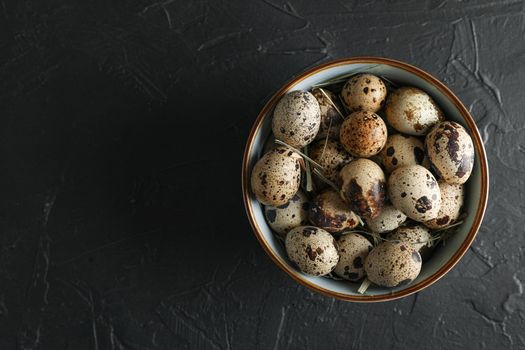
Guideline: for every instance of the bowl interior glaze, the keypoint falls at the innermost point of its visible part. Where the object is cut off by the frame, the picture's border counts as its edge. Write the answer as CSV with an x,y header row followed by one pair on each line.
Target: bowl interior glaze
x,y
443,258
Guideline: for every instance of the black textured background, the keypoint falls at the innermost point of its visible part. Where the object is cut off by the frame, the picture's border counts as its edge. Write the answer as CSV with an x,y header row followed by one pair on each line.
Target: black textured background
x,y
122,126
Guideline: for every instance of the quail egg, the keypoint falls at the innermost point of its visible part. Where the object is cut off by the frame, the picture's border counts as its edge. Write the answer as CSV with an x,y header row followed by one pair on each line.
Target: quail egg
x,y
414,191
289,215
296,119
451,152
401,150
363,134
331,156
312,249
276,176
388,220
329,212
353,249
363,187
452,197
412,111
392,264
331,109
364,92
418,236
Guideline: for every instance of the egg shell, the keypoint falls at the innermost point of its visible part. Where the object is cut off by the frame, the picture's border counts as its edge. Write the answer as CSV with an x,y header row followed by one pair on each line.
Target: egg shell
x,y
312,250
412,111
296,118
276,176
364,92
401,150
417,235
363,134
392,264
329,212
414,191
451,152
452,197
363,187
331,118
388,220
331,155
353,249
289,215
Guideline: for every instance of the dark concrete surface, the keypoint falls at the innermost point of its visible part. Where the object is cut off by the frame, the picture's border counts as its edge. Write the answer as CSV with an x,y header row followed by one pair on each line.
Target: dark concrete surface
x,y
122,126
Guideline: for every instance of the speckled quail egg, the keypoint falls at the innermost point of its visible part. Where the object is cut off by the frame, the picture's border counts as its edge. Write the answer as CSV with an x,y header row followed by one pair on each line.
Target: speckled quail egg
x,y
364,92
417,235
331,156
276,176
451,152
412,111
289,215
331,109
296,118
363,134
414,190
388,220
363,187
392,264
401,150
329,212
452,197
353,249
312,249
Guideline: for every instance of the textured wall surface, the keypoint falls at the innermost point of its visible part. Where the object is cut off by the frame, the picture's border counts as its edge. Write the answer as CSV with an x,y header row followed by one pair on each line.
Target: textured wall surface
x,y
122,126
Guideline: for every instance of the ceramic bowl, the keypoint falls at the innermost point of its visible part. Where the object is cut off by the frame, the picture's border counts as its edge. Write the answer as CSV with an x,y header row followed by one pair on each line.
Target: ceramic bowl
x,y
445,257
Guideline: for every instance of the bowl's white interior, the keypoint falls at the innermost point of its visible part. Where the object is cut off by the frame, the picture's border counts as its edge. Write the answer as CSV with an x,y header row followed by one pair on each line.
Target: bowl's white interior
x,y
441,255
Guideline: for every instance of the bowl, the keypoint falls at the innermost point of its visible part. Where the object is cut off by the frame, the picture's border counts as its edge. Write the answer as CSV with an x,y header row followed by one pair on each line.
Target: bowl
x,y
446,256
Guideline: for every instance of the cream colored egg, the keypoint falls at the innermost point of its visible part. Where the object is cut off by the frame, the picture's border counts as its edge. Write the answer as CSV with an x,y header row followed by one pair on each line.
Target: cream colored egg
x,y
331,114
419,236
452,197
353,249
329,212
289,215
401,150
364,92
388,220
331,156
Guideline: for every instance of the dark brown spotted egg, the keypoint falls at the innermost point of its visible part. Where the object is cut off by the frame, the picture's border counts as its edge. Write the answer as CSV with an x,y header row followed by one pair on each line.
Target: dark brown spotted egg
x,y
331,117
296,119
353,249
414,191
401,150
452,197
392,264
276,176
329,212
388,220
331,156
364,92
451,152
363,187
418,235
312,250
412,111
289,215
363,134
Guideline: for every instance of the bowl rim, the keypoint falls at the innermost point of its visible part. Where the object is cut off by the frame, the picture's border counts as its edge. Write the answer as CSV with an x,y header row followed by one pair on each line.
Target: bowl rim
x,y
478,144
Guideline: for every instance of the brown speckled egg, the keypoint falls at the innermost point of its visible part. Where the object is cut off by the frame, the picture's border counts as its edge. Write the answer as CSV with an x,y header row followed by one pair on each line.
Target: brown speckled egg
x,y
363,134
412,111
414,191
276,176
329,212
392,264
331,118
364,92
331,156
289,215
296,119
388,220
418,236
363,187
353,249
312,249
452,197
451,152
401,150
